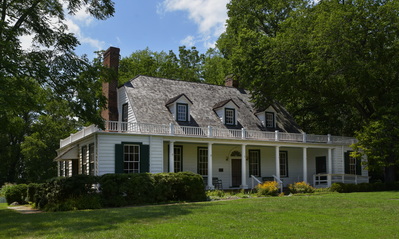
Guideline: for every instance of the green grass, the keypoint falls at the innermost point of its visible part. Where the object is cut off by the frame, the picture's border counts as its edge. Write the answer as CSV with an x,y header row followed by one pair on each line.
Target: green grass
x,y
353,215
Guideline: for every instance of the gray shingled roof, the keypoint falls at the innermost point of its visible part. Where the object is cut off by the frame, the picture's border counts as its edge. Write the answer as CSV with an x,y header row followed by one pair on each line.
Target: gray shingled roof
x,y
149,95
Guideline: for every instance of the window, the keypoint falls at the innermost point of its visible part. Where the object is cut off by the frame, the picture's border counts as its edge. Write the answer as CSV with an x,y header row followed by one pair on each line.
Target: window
x,y
178,152
229,115
66,168
352,164
91,159
203,161
84,159
283,164
270,120
131,158
125,112
254,163
182,112
62,168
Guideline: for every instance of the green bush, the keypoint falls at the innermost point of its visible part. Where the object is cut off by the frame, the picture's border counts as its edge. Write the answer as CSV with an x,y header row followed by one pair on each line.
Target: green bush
x,y
32,191
364,187
16,193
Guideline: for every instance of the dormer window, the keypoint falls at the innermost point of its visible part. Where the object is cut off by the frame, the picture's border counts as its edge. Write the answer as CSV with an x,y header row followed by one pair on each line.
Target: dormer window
x,y
270,120
180,106
229,115
267,117
227,112
182,112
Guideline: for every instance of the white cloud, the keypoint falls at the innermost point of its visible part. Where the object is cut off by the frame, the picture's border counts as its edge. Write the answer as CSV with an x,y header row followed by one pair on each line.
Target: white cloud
x,y
209,15
189,41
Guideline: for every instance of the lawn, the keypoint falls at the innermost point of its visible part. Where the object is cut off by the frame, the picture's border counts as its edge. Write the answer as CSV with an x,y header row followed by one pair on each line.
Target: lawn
x,y
353,215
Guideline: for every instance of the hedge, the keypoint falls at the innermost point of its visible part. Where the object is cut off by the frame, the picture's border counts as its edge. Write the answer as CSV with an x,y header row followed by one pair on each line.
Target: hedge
x,y
364,187
116,190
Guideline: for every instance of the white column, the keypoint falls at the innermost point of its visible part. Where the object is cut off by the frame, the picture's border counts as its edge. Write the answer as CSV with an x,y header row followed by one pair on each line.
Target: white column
x,y
171,156
210,175
305,164
330,161
243,167
278,161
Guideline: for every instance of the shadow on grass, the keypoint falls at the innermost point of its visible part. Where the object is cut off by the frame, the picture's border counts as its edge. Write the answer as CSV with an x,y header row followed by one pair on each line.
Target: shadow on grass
x,y
72,223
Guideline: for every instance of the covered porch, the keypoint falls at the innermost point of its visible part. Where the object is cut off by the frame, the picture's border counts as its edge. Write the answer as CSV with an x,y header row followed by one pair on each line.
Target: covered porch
x,y
237,165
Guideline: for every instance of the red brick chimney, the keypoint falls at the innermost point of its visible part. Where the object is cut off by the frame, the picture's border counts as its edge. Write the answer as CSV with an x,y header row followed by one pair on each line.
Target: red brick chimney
x,y
230,81
110,86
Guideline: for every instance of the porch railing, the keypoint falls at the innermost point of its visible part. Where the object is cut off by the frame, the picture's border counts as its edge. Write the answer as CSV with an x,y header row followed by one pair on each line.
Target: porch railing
x,y
280,183
209,132
328,179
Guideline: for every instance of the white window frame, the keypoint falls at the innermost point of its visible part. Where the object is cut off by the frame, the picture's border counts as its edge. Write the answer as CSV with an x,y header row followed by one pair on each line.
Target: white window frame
x,y
131,158
270,120
178,159
181,116
254,162
202,161
229,118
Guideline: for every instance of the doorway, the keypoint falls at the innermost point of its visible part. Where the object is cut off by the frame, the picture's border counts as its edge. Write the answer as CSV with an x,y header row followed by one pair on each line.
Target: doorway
x,y
236,172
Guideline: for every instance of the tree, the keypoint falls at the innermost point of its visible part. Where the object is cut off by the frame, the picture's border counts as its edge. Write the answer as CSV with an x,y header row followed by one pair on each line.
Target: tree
x,y
215,67
49,72
332,63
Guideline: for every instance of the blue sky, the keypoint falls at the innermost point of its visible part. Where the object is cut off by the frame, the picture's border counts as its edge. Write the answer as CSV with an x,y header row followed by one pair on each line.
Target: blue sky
x,y
161,25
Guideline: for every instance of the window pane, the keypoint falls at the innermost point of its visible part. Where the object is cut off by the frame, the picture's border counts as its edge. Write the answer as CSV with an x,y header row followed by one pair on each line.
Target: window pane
x,y
254,163
182,112
203,161
229,116
283,164
131,157
269,120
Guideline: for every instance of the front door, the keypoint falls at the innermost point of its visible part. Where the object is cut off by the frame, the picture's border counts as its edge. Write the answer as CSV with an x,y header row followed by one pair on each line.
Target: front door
x,y
321,165
236,172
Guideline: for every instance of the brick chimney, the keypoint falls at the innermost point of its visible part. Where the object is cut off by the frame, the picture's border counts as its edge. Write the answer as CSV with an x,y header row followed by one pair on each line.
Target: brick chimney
x,y
110,86
230,81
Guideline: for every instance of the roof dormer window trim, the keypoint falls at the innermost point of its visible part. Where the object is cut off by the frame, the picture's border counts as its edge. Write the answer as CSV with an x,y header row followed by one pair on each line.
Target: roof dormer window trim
x,y
229,116
181,112
270,120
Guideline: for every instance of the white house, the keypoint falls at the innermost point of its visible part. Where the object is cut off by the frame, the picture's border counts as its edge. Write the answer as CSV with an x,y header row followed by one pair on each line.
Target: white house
x,y
160,125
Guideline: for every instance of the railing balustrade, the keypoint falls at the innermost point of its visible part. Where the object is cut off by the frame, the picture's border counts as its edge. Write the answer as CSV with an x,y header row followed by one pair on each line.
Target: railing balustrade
x,y
211,132
328,179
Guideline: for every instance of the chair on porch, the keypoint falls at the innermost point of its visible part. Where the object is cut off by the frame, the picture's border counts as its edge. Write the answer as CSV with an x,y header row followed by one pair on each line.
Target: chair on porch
x,y
217,183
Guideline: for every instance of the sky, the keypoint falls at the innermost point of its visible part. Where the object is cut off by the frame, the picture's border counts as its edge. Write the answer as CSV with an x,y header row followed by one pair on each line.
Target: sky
x,y
160,25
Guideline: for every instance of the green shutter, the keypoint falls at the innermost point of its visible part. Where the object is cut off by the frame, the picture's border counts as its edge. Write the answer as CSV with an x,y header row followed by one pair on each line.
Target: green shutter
x,y
346,163
118,158
358,167
144,159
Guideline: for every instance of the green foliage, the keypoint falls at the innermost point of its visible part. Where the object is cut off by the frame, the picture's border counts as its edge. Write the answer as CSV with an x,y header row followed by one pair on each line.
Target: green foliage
x,y
301,187
32,192
46,85
333,64
16,193
364,187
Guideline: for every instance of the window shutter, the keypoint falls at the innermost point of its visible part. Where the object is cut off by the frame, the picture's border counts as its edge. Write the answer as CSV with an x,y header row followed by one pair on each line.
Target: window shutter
x,y
358,167
118,158
346,163
145,159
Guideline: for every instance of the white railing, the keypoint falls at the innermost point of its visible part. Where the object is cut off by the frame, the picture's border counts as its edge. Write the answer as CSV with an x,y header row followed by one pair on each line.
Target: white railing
x,y
255,179
280,183
210,132
328,179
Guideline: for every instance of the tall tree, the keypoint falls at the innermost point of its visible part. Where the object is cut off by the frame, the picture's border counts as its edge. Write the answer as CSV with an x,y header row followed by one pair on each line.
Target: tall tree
x,y
50,67
333,63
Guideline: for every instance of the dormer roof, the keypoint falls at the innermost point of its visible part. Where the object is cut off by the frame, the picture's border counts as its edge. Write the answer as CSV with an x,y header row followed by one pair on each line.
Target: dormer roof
x,y
223,103
174,99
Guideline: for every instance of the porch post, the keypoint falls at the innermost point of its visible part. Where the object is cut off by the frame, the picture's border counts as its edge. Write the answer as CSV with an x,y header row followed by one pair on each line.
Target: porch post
x,y
305,164
243,167
171,156
278,161
210,175
329,160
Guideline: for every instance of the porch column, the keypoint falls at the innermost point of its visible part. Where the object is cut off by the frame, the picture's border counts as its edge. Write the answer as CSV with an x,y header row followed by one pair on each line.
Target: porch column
x,y
210,175
305,164
243,167
278,161
329,161
171,156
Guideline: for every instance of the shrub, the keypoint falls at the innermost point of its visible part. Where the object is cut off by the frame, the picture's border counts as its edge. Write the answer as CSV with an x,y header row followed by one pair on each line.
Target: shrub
x,y
301,187
16,193
269,188
32,191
